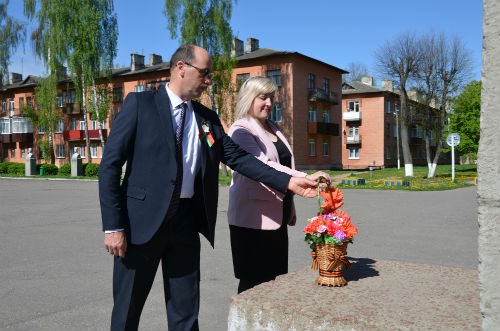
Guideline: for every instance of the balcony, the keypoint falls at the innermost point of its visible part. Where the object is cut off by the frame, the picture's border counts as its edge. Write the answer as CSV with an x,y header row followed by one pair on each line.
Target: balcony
x,y
352,140
351,116
72,108
7,138
73,135
330,129
320,95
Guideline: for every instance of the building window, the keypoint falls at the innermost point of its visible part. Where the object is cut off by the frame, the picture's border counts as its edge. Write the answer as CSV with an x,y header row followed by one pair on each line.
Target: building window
x,y
117,94
5,125
312,147
353,106
71,96
387,152
59,100
59,126
326,86
312,114
241,78
23,153
80,149
41,130
95,124
29,101
4,106
353,153
387,130
73,124
311,82
11,104
353,131
276,113
388,107
326,116
21,102
326,148
13,152
139,88
21,125
275,76
60,151
81,124
93,151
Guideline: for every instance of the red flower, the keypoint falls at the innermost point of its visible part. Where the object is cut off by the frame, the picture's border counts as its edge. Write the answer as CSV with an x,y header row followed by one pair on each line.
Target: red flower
x,y
333,199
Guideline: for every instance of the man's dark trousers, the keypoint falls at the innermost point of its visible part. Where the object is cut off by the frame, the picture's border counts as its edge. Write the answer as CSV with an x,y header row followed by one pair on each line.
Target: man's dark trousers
x,y
177,246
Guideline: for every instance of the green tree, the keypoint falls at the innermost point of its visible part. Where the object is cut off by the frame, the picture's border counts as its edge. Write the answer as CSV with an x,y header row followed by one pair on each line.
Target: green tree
x,y
464,119
43,115
12,33
213,33
50,44
92,40
81,34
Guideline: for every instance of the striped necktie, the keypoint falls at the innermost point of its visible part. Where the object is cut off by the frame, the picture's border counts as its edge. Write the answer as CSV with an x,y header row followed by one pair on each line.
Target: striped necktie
x,y
179,133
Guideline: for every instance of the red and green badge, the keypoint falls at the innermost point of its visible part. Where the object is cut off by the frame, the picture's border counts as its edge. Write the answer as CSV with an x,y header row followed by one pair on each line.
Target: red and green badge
x,y
206,134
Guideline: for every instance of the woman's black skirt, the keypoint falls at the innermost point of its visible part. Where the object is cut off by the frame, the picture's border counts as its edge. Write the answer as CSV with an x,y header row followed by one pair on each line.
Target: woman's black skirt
x,y
259,254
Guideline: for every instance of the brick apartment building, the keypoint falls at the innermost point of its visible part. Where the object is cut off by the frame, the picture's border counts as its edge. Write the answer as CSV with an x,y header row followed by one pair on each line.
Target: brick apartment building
x,y
370,127
329,125
307,106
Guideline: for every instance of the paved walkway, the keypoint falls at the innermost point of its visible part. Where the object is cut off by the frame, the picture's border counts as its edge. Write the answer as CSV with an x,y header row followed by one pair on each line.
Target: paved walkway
x,y
56,275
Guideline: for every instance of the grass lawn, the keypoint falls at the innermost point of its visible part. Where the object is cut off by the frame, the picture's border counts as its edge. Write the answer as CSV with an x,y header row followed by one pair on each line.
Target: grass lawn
x,y
382,178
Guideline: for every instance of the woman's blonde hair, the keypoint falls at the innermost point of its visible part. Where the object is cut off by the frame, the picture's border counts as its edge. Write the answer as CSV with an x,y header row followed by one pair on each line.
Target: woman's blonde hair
x,y
249,90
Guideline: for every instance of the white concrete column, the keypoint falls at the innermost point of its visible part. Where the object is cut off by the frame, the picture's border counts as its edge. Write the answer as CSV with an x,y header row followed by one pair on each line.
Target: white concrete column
x,y
489,170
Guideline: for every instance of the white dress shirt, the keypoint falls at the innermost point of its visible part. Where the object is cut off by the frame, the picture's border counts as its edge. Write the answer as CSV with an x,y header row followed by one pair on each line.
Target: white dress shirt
x,y
190,143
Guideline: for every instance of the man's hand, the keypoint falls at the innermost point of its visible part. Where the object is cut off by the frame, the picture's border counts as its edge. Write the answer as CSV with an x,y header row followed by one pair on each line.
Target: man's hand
x,y
116,243
303,186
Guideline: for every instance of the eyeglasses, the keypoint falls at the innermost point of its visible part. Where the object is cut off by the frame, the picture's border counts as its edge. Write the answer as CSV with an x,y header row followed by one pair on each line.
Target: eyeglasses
x,y
204,72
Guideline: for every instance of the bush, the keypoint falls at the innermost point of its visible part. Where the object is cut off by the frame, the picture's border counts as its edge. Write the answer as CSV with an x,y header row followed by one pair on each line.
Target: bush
x,y
90,169
65,169
16,169
50,169
3,167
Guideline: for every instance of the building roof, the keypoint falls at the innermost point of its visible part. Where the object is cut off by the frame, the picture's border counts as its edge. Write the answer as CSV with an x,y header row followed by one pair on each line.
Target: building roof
x,y
125,71
268,52
358,87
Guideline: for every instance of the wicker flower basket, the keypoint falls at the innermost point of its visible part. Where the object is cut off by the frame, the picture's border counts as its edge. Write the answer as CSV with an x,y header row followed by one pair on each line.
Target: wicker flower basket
x,y
330,259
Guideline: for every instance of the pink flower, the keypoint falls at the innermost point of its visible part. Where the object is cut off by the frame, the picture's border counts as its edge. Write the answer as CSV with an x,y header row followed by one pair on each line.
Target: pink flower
x,y
322,228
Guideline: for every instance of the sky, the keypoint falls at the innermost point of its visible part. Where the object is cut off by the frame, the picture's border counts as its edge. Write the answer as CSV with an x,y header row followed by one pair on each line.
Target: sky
x,y
335,32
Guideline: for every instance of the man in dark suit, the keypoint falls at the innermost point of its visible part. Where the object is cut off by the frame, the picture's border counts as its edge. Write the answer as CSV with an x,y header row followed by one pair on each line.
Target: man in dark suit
x,y
169,192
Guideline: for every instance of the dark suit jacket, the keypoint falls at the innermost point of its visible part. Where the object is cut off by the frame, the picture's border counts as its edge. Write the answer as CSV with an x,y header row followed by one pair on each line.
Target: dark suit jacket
x,y
142,135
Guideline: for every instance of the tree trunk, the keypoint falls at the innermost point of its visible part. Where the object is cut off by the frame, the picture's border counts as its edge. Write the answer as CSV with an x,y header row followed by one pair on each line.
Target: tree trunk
x,y
85,126
214,108
96,105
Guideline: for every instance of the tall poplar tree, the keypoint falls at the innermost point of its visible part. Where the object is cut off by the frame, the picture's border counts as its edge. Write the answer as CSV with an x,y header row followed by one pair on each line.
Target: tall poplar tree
x,y
92,39
206,23
81,34
49,44
12,33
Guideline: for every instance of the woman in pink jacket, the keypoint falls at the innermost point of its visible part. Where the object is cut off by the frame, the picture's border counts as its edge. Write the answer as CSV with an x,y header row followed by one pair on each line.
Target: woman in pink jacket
x,y
257,214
